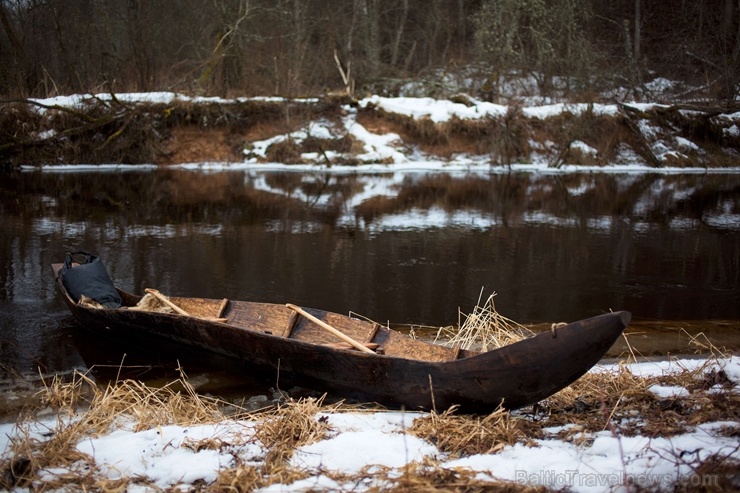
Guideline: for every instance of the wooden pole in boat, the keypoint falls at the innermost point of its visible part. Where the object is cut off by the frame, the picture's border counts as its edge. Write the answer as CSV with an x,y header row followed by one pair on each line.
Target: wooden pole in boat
x,y
167,302
331,329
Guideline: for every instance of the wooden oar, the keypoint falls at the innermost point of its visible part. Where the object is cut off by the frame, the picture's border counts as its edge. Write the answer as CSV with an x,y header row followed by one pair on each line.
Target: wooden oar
x,y
331,329
167,302
179,310
344,345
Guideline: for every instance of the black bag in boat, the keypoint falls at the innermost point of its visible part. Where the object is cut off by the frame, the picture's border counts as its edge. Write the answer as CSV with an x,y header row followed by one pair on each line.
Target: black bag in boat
x,y
89,278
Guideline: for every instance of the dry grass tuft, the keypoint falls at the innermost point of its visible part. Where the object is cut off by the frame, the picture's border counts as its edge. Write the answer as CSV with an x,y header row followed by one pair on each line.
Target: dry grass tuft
x,y
238,480
461,435
290,426
282,430
82,409
593,402
623,402
483,329
29,452
65,397
430,478
151,407
700,343
716,473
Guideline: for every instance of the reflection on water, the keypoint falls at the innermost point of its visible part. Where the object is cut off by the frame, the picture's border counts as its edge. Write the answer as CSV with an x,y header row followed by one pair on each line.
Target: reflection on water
x,y
396,247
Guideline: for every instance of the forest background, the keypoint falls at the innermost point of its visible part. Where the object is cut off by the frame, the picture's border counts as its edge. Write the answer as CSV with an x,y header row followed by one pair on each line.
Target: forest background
x,y
576,49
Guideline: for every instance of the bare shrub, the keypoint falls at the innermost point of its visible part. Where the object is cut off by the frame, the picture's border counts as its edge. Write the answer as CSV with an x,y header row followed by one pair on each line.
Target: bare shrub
x,y
284,151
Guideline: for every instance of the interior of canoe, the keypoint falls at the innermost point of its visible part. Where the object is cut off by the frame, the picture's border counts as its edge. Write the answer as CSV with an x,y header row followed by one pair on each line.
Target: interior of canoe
x,y
282,321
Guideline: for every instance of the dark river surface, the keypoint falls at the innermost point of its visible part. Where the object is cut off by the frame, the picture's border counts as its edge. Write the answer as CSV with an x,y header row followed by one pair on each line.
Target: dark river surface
x,y
398,248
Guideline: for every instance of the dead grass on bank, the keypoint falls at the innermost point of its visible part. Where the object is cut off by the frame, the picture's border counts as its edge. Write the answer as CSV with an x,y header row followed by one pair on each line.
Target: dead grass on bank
x,y
617,400
82,409
424,477
624,402
505,139
463,435
115,131
291,426
282,430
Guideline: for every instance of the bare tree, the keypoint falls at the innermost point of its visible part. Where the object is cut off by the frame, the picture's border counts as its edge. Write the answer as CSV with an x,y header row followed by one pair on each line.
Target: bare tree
x,y
15,69
399,29
534,37
287,46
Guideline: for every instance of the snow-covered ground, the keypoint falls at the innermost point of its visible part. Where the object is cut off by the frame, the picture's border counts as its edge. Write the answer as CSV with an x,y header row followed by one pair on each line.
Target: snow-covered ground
x,y
376,447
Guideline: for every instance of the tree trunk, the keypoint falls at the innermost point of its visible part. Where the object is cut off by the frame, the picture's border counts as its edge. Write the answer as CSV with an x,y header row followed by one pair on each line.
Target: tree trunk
x,y
727,21
138,54
636,54
736,49
433,32
367,12
19,55
373,35
399,32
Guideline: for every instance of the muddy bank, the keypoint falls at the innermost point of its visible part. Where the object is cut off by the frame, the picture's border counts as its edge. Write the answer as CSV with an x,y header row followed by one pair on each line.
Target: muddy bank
x,y
97,130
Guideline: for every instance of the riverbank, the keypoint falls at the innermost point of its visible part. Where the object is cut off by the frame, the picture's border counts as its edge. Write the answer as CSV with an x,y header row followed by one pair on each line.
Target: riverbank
x,y
338,131
653,426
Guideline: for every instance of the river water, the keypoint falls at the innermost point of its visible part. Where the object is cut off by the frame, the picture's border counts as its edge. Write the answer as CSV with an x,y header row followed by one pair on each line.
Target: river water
x,y
398,248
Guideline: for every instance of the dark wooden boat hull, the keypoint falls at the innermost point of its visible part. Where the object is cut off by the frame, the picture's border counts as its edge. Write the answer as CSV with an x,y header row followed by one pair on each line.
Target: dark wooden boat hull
x,y
277,344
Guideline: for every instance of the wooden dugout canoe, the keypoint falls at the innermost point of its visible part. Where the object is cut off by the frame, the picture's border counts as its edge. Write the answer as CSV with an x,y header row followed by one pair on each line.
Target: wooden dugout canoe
x,y
276,341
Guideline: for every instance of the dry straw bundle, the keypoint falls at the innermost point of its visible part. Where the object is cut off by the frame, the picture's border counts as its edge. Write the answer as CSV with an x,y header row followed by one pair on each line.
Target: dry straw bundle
x,y
150,303
483,329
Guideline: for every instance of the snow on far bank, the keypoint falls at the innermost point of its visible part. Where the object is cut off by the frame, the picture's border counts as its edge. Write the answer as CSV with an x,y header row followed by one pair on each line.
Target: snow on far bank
x,y
378,148
92,168
436,110
375,444
443,110
459,166
157,97
676,153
